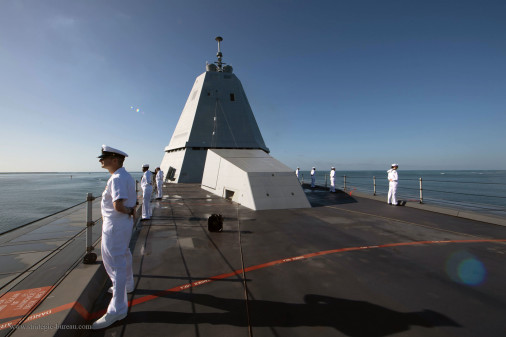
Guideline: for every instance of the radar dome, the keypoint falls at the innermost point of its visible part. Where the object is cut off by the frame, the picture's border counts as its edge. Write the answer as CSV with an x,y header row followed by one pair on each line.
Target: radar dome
x,y
211,67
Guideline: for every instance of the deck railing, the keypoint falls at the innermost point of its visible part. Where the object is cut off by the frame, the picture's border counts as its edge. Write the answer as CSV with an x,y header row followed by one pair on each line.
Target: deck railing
x,y
455,193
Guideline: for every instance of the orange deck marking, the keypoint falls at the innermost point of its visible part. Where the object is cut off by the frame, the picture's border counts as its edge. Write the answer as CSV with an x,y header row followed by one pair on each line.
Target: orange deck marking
x,y
88,316
18,303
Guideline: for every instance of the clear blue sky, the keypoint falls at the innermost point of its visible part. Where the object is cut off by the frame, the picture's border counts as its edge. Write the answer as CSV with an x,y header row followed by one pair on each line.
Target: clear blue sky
x,y
350,84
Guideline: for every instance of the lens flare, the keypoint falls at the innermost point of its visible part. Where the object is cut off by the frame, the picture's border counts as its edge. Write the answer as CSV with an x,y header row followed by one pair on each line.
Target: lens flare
x,y
472,271
464,267
136,109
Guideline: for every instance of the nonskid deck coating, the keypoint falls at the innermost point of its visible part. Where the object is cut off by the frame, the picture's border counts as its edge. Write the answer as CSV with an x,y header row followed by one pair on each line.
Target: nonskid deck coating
x,y
346,267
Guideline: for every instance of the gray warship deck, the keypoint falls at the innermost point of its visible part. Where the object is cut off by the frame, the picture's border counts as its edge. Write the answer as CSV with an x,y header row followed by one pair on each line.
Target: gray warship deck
x,y
346,267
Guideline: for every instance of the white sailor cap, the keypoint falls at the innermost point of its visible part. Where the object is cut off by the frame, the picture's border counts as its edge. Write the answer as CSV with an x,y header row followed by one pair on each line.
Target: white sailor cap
x,y
333,168
395,165
108,151
145,166
314,168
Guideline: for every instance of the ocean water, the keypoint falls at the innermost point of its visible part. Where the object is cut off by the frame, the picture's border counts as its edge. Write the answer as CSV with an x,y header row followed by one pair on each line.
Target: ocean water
x,y
26,197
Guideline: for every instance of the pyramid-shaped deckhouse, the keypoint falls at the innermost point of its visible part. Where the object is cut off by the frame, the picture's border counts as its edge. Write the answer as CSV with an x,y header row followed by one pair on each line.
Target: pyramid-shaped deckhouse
x,y
217,117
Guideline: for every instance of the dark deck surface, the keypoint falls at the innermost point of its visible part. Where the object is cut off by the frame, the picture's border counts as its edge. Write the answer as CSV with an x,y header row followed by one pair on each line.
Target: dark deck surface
x,y
346,267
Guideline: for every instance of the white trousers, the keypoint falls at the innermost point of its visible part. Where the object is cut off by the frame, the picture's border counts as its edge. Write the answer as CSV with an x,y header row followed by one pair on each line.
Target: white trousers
x,y
146,201
117,261
332,184
392,191
159,186
312,181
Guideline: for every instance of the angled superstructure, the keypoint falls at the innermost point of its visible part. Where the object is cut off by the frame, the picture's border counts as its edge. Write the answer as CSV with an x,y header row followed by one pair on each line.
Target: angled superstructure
x,y
217,143
217,115
253,179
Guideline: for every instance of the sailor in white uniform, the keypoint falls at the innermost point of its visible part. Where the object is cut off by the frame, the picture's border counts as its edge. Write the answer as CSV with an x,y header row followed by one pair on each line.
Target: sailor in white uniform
x,y
393,178
297,173
118,207
332,180
313,178
147,190
159,182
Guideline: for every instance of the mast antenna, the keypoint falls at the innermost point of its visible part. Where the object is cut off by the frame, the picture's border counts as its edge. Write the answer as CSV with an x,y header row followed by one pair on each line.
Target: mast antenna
x,y
219,54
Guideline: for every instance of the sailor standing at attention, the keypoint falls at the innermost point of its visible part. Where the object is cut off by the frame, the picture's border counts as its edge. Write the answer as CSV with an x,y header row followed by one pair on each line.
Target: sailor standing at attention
x,y
147,190
333,180
159,182
118,207
297,173
393,177
313,178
